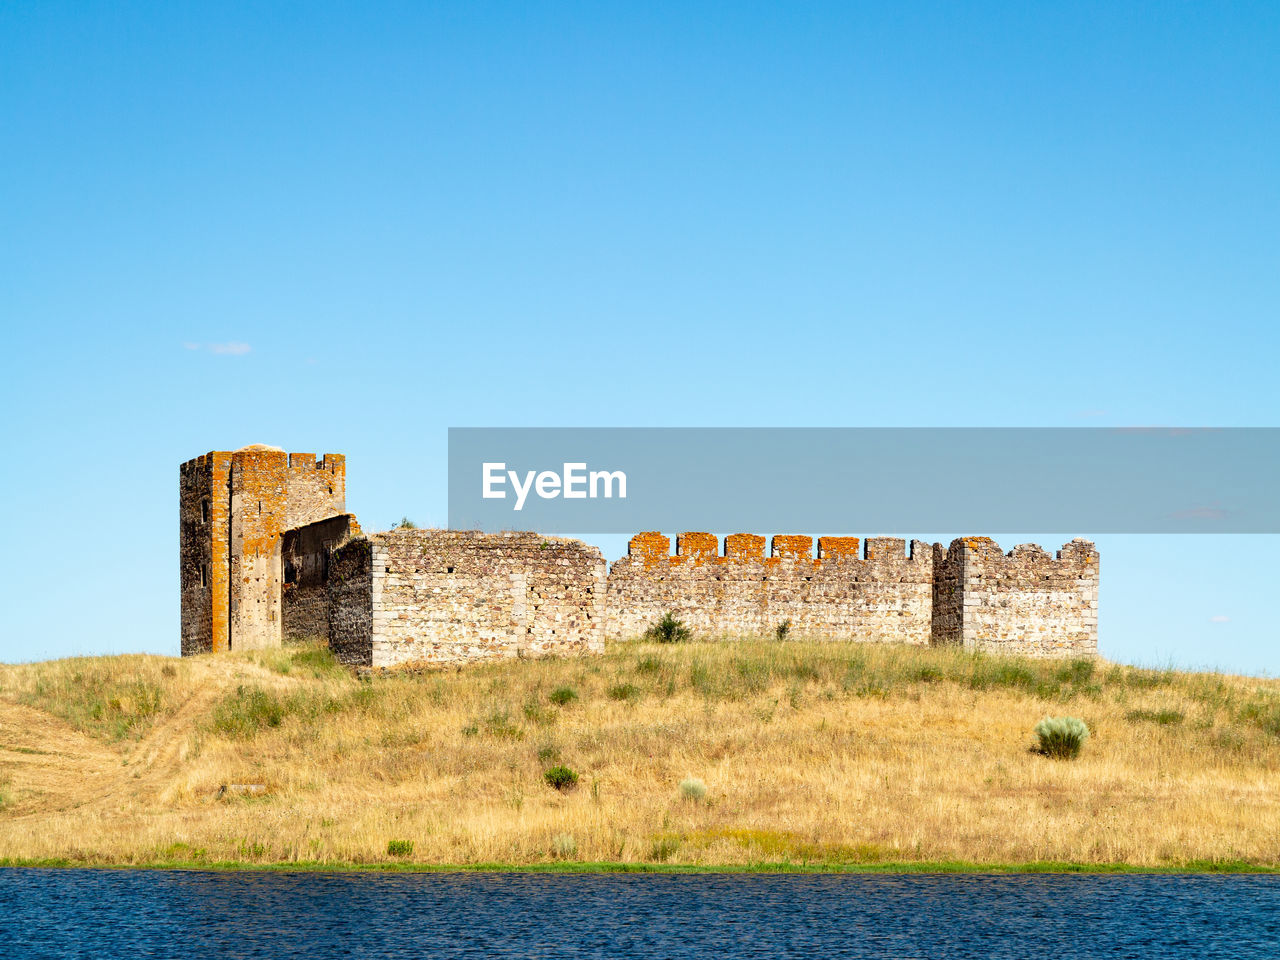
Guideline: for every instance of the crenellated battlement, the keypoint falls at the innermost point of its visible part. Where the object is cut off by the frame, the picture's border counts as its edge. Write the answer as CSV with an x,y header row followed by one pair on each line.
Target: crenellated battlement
x,y
266,542
882,588
872,589
695,547
1024,601
307,462
234,508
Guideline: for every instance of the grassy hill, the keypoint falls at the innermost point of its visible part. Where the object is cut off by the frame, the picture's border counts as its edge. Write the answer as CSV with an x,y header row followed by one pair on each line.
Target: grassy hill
x,y
810,754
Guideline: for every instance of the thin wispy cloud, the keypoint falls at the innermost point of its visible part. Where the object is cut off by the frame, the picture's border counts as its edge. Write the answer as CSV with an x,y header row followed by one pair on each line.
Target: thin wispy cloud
x,y
1220,618
232,348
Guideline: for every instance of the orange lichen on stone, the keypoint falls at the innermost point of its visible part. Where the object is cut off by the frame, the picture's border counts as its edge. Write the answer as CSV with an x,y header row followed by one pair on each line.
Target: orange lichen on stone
x,y
981,545
234,509
703,546
793,547
651,546
832,547
742,546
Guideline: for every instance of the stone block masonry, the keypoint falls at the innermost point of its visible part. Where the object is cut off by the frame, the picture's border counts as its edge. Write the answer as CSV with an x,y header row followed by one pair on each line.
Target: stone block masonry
x,y
842,594
971,593
306,554
267,553
1024,602
234,508
444,596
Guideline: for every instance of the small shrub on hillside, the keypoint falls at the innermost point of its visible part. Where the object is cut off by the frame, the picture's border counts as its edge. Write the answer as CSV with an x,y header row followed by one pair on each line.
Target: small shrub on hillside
x,y
668,630
649,665
693,789
498,724
564,846
560,777
563,696
246,712
318,661
1061,737
624,691
925,673
663,849
548,752
534,712
1165,718
1078,672
1264,713
781,630
399,848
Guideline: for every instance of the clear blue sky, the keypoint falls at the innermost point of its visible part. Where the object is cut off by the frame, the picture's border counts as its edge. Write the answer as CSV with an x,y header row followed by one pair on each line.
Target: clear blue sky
x,y
347,227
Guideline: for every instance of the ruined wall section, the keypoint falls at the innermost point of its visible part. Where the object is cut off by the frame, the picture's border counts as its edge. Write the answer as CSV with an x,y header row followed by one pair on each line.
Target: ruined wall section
x,y
446,596
350,602
948,595
234,507
203,544
316,489
306,554
1024,602
876,593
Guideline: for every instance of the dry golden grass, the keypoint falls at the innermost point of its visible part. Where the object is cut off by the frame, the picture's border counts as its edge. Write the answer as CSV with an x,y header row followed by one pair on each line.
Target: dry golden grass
x,y
817,753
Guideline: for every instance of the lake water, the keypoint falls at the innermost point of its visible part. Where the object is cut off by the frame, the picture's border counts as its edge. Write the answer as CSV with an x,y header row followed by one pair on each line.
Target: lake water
x,y
134,914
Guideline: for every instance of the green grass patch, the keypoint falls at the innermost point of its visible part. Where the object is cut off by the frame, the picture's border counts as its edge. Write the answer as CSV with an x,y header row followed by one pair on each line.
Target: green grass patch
x,y
1164,718
115,698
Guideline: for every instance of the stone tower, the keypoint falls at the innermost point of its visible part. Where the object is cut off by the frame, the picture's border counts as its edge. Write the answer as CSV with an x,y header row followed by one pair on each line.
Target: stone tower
x,y
234,508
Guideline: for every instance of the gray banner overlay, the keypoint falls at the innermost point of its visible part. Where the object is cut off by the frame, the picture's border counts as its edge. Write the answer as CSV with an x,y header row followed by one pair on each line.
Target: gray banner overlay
x,y
864,480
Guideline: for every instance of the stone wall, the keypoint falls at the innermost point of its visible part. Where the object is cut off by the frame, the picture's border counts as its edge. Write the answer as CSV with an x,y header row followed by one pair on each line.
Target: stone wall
x,y
266,550
350,588
316,488
1024,602
234,508
879,593
203,542
306,555
446,596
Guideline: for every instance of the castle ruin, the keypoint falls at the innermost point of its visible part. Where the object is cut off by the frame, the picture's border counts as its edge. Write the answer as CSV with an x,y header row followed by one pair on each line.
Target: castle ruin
x,y
268,554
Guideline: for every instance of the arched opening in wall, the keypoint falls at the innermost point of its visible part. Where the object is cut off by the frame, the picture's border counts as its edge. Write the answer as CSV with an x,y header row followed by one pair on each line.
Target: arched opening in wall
x,y
290,572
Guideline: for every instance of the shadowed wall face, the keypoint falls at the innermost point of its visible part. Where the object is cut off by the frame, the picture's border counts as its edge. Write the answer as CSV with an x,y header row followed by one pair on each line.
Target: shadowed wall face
x,y
306,555
204,510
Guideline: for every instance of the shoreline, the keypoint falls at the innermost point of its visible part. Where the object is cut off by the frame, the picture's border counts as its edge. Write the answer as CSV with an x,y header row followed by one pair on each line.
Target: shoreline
x,y
908,868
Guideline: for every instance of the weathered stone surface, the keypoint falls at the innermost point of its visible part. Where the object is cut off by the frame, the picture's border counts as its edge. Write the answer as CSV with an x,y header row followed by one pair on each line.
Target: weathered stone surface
x,y
234,507
306,553
267,552
839,596
448,596
1024,602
